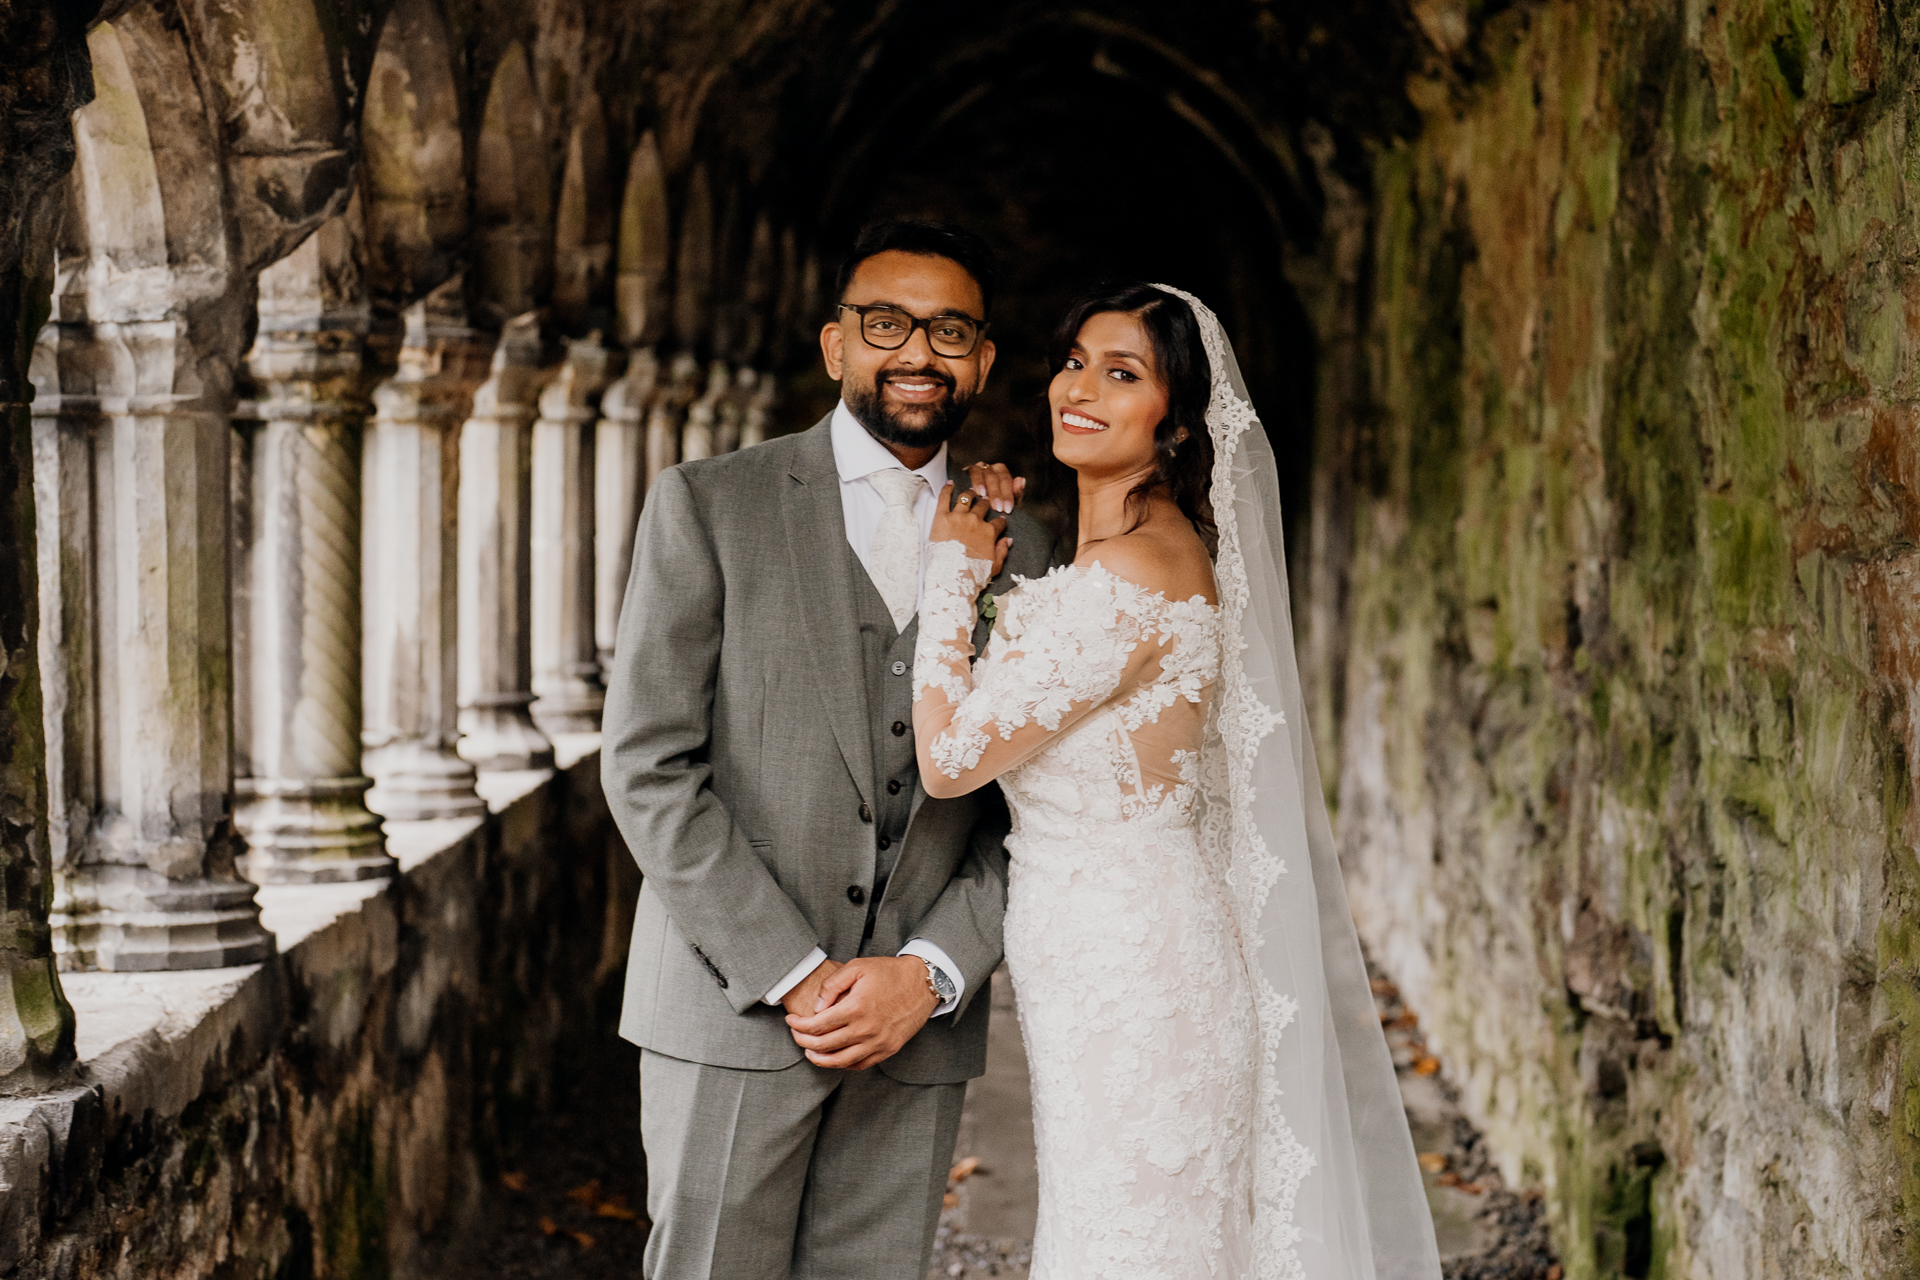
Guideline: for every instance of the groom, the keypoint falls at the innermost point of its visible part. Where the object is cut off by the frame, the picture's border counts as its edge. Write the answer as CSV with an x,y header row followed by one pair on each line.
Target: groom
x,y
813,933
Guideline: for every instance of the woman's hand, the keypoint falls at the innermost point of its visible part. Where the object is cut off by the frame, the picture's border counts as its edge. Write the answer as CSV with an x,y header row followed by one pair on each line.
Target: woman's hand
x,y
965,520
999,486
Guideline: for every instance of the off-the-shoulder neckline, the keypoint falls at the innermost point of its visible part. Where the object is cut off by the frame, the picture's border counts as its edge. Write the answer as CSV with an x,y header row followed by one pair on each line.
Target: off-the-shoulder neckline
x,y
1088,570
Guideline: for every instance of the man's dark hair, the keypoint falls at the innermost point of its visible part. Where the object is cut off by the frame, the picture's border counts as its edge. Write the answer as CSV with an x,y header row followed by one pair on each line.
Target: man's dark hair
x,y
930,240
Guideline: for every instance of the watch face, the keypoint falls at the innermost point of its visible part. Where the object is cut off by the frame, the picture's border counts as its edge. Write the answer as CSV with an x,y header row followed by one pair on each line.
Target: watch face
x,y
943,984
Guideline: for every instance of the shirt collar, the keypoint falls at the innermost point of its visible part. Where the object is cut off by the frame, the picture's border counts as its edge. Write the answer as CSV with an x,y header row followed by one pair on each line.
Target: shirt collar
x,y
857,455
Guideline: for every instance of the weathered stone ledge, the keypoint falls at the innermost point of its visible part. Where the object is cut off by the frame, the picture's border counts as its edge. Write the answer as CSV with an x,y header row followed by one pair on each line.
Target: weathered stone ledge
x,y
342,1098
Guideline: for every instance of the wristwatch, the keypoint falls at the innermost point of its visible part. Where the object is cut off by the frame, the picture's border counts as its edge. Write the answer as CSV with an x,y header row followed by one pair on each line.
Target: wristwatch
x,y
938,982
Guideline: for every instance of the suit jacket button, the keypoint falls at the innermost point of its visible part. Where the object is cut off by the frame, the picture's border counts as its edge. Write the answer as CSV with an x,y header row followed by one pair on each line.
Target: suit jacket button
x,y
899,668
856,895
899,728
866,813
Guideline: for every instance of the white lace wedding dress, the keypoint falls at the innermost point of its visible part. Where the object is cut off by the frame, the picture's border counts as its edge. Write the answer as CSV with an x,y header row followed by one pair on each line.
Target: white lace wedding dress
x,y
1213,1098
1089,705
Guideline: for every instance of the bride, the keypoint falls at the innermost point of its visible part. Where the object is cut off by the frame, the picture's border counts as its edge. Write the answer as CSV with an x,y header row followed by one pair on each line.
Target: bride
x,y
1212,1094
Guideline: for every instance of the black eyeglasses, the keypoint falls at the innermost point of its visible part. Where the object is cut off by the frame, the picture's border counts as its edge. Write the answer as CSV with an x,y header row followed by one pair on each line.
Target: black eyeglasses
x,y
889,328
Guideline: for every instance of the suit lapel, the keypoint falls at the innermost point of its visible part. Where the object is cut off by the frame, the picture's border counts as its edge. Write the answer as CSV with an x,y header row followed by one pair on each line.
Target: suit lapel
x,y
823,571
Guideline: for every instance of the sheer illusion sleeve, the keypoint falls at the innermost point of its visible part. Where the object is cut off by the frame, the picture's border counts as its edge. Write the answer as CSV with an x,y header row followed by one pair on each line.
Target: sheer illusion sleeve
x,y
1055,657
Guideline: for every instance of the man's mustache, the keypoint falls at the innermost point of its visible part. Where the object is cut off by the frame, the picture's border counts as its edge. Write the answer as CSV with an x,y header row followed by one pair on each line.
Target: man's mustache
x,y
918,375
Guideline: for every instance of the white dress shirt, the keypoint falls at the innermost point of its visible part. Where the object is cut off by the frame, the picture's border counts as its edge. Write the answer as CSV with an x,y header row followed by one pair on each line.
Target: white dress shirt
x,y
857,455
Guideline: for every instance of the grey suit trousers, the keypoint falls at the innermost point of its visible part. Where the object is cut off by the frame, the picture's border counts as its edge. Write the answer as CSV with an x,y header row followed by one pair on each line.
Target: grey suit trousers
x,y
802,1172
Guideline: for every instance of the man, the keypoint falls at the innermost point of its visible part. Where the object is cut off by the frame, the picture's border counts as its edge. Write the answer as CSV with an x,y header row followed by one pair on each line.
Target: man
x,y
813,933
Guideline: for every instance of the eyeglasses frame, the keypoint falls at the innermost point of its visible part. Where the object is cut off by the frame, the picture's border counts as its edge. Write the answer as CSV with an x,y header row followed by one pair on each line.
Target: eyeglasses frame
x,y
861,308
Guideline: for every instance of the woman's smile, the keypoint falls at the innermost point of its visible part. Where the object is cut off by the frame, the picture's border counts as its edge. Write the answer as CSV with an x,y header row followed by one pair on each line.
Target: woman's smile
x,y
1081,424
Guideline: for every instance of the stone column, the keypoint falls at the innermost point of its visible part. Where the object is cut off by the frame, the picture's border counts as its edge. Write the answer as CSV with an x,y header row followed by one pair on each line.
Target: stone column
x,y
496,676
698,439
730,426
304,809
412,606
36,1022
759,415
619,478
150,878
668,413
566,668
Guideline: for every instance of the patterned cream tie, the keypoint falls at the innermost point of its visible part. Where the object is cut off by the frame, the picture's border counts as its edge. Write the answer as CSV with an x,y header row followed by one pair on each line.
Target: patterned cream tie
x,y
895,558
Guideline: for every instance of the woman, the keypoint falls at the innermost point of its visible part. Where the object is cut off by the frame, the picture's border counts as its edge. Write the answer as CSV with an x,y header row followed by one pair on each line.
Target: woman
x,y
1212,1094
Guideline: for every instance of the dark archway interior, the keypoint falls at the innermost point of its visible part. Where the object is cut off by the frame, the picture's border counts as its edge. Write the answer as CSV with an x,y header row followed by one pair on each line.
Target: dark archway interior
x,y
1079,172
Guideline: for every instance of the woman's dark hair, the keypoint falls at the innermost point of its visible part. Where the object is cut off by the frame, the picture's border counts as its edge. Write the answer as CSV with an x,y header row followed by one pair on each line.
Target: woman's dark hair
x,y
1183,451
928,240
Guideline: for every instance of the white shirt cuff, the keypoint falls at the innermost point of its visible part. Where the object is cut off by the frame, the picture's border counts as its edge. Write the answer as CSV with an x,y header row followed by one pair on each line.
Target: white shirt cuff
x,y
795,976
940,960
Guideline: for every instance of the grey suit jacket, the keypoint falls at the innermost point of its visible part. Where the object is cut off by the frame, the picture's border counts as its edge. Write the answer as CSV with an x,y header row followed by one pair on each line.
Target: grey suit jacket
x,y
738,762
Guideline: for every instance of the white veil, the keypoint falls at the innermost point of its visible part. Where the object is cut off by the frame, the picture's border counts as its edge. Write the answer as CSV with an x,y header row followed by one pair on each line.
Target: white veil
x,y
1337,1193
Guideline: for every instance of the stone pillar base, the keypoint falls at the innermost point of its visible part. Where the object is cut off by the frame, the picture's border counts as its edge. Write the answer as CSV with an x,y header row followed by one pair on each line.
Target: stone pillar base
x,y
133,920
311,831
498,735
417,781
571,703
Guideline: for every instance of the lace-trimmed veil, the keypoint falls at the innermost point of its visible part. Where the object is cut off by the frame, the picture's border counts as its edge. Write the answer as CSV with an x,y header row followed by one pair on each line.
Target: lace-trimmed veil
x,y
1337,1192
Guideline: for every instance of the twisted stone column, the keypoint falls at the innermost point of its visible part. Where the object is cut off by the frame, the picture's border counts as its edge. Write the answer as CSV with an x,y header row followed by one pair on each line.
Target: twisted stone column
x,y
304,811
149,877
566,668
496,677
619,478
411,676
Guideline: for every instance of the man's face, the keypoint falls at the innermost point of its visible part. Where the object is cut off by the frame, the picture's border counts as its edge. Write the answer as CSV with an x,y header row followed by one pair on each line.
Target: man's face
x,y
913,396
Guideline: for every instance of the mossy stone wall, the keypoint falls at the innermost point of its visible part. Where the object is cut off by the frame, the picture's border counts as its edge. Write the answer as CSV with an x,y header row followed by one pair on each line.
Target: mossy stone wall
x,y
1629,720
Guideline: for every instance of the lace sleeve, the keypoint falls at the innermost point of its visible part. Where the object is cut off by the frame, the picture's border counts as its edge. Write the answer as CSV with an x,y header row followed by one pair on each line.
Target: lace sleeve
x,y
1062,648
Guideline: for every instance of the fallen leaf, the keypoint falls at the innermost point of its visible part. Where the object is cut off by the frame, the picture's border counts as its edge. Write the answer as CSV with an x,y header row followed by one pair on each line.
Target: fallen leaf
x,y
547,1227
514,1181
615,1208
1554,1272
1426,1066
1407,1021
950,1201
1384,989
588,1195
964,1170
1432,1161
581,1238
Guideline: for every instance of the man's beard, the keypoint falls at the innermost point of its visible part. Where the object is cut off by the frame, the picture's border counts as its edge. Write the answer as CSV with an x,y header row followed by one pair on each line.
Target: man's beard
x,y
943,417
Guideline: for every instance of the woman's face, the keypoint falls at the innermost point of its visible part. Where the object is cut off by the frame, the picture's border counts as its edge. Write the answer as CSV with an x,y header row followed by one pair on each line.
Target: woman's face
x,y
1108,398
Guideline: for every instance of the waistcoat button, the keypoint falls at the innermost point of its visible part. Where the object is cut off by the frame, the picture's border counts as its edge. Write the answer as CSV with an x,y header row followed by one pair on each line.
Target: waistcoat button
x,y
856,895
885,844
899,668
899,728
893,786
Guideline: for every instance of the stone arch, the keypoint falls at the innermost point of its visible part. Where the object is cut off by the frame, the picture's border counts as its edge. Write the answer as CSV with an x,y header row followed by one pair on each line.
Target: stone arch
x,y
275,83
144,244
646,247
512,204
872,114
693,275
413,158
584,221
